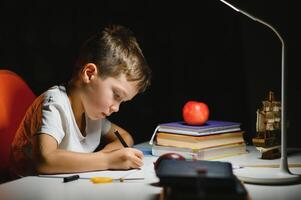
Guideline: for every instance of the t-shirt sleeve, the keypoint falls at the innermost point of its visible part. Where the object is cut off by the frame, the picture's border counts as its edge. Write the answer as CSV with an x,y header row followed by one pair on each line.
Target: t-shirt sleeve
x,y
52,122
105,126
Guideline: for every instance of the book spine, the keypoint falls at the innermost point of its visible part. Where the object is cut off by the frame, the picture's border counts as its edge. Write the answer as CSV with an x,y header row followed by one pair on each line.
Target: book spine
x,y
225,151
188,138
194,133
199,144
201,129
204,154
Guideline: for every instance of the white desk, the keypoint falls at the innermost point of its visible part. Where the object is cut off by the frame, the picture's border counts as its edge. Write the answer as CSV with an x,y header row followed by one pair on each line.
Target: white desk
x,y
29,188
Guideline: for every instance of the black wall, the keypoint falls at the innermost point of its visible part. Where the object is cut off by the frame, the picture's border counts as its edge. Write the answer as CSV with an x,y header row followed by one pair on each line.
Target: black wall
x,y
200,50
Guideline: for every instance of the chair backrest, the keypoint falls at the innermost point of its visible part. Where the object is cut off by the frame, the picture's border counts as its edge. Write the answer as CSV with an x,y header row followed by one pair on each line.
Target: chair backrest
x,y
15,98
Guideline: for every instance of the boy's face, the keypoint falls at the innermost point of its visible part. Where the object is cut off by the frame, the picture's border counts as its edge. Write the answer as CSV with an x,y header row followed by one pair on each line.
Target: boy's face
x,y
102,97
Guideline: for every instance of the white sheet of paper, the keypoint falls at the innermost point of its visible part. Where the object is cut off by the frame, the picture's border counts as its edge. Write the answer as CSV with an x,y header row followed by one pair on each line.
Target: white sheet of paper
x,y
115,174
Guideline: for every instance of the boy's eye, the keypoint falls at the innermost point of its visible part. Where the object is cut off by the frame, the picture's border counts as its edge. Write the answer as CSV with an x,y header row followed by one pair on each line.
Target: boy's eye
x,y
117,96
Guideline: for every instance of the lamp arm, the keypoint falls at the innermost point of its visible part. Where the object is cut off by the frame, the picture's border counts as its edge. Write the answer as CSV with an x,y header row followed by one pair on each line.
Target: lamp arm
x,y
283,164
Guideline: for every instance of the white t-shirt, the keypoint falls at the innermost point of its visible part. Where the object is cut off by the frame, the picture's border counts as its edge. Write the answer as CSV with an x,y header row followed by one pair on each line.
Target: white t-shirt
x,y
51,114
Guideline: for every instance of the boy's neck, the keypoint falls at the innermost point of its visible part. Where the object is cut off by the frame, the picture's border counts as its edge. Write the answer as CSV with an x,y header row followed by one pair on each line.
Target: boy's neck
x,y
77,109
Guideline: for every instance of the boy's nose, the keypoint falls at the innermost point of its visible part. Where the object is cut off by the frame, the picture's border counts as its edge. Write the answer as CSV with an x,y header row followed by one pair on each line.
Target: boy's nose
x,y
114,108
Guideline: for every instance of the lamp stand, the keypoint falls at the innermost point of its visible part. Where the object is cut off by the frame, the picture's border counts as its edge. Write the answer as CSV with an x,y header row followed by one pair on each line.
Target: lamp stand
x,y
269,175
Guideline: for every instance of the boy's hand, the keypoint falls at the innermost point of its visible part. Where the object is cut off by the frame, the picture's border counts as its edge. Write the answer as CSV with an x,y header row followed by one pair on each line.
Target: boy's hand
x,y
125,158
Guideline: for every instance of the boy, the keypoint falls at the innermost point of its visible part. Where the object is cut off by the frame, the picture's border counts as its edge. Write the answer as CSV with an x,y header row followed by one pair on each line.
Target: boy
x,y
63,127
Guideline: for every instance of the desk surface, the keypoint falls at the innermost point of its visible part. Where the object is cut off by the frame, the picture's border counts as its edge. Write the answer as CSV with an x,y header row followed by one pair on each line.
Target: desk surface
x,y
53,188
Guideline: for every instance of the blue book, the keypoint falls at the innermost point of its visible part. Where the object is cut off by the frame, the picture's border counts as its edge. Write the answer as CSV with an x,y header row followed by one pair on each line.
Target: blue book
x,y
209,128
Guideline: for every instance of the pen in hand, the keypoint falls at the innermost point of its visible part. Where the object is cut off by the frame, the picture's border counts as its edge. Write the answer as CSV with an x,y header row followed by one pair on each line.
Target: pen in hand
x,y
121,139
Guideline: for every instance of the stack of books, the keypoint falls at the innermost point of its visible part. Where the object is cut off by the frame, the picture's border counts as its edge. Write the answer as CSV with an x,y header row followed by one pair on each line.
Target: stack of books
x,y
213,140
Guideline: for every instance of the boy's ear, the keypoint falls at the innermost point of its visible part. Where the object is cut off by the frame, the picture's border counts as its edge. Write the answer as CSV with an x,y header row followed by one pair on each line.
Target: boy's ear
x,y
89,72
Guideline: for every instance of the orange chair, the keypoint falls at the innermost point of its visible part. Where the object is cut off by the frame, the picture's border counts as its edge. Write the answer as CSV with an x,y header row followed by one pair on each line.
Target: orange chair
x,y
15,98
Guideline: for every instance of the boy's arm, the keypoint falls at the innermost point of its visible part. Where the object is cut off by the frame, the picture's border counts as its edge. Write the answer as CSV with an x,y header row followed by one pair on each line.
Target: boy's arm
x,y
49,159
112,140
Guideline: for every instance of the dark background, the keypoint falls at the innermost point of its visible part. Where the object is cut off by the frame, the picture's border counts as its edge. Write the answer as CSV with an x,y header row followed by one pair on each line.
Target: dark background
x,y
198,50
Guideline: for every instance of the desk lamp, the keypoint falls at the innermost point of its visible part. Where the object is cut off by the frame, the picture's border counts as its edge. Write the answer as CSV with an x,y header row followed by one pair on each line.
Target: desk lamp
x,y
269,175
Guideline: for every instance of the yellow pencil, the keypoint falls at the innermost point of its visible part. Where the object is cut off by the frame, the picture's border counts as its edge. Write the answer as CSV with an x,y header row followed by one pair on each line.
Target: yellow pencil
x,y
110,180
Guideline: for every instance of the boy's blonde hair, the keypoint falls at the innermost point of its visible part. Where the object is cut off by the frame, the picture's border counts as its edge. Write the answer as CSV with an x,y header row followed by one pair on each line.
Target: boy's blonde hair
x,y
115,51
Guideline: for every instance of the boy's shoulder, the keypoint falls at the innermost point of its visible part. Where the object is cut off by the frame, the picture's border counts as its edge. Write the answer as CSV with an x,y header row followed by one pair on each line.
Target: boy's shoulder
x,y
56,89
55,94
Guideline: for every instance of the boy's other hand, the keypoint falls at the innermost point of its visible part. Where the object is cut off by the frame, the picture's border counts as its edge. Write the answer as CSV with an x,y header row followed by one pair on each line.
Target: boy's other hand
x,y
125,158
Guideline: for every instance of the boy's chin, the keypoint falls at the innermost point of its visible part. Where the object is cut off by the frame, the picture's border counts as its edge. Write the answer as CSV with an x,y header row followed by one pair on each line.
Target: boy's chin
x,y
97,117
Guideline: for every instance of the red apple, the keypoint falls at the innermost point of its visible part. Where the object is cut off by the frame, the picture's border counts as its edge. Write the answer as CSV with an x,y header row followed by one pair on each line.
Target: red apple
x,y
195,112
